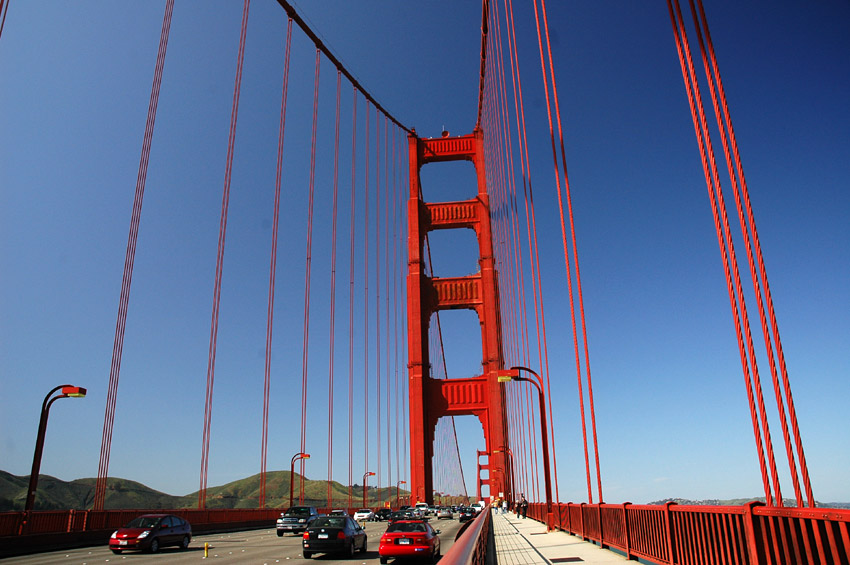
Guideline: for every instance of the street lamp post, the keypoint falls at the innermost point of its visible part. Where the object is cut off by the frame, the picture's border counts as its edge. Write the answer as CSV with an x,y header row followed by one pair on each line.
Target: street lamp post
x,y
366,474
513,375
67,391
397,491
295,458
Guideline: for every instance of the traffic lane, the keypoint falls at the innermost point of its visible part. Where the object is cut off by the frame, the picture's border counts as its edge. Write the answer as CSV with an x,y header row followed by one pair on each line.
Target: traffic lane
x,y
253,546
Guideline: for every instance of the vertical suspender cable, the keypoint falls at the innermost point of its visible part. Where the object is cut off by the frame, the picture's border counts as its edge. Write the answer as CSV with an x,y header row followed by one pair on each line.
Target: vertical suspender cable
x,y
732,259
387,289
264,444
511,250
529,205
333,295
727,251
129,259
575,256
4,9
521,329
352,222
378,291
754,248
402,327
366,305
396,279
396,197
551,67
308,262
225,200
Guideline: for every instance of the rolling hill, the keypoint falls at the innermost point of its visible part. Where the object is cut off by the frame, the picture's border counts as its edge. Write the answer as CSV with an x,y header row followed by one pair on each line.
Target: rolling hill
x,y
55,494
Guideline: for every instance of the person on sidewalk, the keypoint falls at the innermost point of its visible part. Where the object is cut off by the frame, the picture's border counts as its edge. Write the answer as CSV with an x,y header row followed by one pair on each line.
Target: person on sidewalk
x,y
505,506
523,506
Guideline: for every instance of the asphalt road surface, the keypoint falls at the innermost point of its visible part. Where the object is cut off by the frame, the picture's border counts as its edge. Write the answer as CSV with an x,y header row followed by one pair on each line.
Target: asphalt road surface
x,y
262,547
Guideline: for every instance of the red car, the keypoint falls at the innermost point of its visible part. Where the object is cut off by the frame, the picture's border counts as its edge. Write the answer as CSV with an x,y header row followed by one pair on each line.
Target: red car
x,y
150,532
410,538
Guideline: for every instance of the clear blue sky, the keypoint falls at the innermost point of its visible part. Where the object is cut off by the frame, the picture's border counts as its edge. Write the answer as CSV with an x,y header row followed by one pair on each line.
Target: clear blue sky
x,y
670,400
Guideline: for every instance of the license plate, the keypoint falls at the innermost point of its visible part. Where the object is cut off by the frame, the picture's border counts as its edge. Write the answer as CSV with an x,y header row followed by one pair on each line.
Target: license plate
x,y
323,536
404,541
122,542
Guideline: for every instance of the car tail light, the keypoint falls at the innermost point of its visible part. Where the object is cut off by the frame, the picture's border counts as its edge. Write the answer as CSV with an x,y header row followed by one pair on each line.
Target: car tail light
x,y
340,535
306,535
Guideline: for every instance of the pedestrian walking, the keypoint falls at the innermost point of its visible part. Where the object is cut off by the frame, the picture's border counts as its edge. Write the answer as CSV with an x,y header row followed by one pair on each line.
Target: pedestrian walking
x,y
523,506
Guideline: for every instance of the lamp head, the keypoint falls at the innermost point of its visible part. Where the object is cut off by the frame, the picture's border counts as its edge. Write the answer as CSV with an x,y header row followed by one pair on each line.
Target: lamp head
x,y
73,391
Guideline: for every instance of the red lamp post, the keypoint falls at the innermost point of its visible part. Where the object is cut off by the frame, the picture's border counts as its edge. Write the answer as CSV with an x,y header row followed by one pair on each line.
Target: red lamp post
x,y
397,491
67,391
366,474
295,458
513,375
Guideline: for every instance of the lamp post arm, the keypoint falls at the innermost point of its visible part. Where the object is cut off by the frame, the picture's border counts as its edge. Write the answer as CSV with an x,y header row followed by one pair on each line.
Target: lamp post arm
x,y
39,445
544,436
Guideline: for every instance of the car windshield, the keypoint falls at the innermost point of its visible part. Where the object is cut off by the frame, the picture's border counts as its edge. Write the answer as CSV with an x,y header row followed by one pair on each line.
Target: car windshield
x,y
298,511
144,522
406,527
329,522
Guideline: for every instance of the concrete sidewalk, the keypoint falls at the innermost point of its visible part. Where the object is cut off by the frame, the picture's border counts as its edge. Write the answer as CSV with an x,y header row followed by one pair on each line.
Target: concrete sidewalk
x,y
526,542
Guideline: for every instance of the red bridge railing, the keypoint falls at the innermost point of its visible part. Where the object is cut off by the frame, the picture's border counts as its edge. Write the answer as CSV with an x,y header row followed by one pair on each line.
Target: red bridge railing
x,y
752,534
475,545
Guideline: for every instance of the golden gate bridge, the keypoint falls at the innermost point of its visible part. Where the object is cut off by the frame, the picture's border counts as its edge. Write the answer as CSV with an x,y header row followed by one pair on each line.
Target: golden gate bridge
x,y
383,346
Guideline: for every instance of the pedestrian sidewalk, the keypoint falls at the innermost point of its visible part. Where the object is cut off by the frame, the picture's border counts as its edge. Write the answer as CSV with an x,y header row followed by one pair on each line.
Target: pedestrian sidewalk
x,y
526,542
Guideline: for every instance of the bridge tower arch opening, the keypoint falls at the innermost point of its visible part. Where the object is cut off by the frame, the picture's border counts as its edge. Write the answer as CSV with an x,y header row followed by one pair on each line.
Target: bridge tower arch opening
x,y
480,395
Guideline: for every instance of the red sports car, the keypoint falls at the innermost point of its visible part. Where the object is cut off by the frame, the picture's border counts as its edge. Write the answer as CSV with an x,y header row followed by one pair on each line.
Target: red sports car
x,y
410,538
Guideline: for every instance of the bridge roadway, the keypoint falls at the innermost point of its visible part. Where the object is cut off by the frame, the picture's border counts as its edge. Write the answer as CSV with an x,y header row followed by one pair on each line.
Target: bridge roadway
x,y
257,547
518,542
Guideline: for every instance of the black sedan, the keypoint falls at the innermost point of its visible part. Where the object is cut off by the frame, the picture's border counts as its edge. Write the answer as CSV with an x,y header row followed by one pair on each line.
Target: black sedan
x,y
333,534
402,515
466,514
383,514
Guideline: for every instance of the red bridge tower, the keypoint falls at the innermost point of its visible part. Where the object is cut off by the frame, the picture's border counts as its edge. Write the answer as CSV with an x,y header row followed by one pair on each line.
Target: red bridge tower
x,y
482,396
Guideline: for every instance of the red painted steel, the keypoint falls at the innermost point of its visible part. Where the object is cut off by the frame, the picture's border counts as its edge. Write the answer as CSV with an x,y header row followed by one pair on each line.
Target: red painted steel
x,y
431,399
264,442
225,201
752,534
471,547
129,258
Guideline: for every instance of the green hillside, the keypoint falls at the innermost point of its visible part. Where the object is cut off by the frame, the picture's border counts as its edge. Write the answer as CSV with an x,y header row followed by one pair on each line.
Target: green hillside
x,y
55,494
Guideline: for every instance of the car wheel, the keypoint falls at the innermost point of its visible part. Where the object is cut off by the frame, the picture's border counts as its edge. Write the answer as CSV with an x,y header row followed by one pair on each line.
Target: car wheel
x,y
365,540
279,534
383,561
154,545
351,549
308,555
184,543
